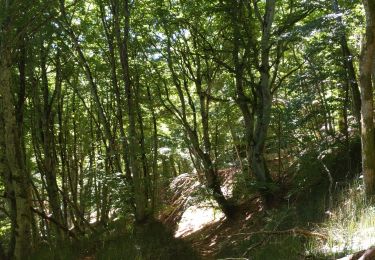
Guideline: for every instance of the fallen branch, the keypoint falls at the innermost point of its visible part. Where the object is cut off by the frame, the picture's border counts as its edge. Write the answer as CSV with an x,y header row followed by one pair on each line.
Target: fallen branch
x,y
293,231
253,246
54,221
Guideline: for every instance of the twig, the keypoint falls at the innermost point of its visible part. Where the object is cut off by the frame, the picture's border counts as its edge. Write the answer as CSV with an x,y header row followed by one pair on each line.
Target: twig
x,y
252,247
330,178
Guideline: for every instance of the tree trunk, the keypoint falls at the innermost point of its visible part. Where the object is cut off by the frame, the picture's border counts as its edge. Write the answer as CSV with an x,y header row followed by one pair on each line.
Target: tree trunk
x,y
348,64
243,102
366,69
200,151
48,143
135,156
114,78
264,105
6,177
155,172
16,158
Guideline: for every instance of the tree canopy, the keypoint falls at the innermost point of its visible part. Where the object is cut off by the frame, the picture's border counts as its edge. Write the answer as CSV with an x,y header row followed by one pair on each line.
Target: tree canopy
x,y
104,103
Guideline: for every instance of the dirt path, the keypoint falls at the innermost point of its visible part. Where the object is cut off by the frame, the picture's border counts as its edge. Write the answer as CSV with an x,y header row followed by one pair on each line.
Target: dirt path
x,y
214,238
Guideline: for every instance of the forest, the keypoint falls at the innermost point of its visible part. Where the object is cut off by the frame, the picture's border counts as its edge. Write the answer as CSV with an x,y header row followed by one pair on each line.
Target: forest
x,y
187,129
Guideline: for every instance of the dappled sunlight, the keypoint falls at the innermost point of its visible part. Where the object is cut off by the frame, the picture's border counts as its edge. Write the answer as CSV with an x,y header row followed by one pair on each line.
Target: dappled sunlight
x,y
198,216
351,225
195,207
186,129
343,240
199,210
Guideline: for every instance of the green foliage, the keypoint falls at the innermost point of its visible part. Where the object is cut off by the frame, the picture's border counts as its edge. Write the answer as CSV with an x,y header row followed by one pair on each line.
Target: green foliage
x,y
264,245
283,248
345,215
4,227
180,59
5,232
150,241
66,251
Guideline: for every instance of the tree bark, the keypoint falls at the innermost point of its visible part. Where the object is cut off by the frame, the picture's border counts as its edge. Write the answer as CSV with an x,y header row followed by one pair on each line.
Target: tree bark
x,y
6,177
48,143
15,157
366,69
135,157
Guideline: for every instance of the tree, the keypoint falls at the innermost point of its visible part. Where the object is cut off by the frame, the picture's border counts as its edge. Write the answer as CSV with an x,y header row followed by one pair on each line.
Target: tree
x,y
366,82
103,103
348,63
13,134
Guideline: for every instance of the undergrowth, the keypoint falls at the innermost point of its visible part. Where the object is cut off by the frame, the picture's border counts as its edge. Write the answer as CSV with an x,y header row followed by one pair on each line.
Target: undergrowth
x,y
145,242
324,198
350,225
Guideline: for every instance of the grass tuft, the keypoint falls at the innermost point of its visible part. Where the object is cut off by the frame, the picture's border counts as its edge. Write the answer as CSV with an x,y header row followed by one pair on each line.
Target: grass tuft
x,y
350,225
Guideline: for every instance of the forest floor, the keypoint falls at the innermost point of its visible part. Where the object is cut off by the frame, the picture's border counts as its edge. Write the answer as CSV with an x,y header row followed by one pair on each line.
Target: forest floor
x,y
203,225
288,231
255,233
212,238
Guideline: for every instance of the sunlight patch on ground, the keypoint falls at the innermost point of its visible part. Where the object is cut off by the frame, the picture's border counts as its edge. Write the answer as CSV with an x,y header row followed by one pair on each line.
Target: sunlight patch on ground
x,y
197,216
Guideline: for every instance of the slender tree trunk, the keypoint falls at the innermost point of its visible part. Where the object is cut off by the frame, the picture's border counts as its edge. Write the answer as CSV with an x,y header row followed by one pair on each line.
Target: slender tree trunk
x,y
264,105
142,144
63,157
348,64
49,163
211,177
366,69
154,189
110,35
135,156
243,102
